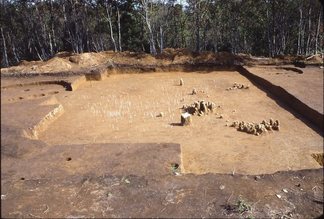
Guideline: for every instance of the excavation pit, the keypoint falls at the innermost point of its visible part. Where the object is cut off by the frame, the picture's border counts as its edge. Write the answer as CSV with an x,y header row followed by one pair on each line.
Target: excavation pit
x,y
123,109
110,126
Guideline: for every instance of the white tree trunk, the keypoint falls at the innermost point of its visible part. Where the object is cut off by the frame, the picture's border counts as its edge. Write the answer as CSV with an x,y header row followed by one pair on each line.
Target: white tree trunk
x,y
108,12
317,31
161,39
119,31
148,24
5,56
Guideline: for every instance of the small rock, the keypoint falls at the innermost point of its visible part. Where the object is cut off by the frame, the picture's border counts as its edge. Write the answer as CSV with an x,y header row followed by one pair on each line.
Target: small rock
x,y
194,91
279,196
160,114
181,82
221,187
3,197
257,178
285,190
186,119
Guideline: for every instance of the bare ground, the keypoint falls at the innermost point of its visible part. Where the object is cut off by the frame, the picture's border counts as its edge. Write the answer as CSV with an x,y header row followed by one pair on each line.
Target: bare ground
x,y
108,149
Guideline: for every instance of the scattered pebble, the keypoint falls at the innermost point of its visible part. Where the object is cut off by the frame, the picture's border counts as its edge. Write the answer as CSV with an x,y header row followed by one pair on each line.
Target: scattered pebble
x,y
279,196
160,114
285,190
221,187
3,197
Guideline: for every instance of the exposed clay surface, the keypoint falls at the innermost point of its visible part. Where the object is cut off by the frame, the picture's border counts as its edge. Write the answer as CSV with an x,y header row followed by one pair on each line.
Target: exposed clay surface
x,y
115,148
75,192
123,108
308,86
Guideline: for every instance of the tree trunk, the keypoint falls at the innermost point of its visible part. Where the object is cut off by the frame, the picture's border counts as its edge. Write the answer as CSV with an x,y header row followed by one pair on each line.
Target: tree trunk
x,y
5,56
309,31
317,31
13,48
299,31
161,39
148,24
119,30
198,29
268,33
273,51
108,12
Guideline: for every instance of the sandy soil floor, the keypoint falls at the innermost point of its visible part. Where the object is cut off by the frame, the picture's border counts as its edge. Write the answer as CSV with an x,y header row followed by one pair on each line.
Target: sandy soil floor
x,y
123,109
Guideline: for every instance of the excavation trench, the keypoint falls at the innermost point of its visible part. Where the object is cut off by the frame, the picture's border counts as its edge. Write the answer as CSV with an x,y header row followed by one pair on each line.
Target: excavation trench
x,y
140,97
295,106
286,99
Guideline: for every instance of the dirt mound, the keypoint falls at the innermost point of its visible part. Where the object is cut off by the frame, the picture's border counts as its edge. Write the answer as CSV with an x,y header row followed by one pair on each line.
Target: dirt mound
x,y
220,58
64,54
28,63
132,58
171,53
316,59
206,57
83,59
55,64
183,56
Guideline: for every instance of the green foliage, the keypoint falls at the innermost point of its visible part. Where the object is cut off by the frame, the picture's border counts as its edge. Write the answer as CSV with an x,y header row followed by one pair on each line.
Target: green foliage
x,y
38,29
243,206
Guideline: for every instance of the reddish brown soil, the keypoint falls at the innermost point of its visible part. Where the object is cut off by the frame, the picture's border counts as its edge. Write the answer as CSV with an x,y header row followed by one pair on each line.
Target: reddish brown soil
x,y
108,155
308,86
123,108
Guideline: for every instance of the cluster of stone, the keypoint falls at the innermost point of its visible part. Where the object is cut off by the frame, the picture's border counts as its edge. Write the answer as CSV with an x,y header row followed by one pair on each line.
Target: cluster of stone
x,y
238,86
256,128
199,108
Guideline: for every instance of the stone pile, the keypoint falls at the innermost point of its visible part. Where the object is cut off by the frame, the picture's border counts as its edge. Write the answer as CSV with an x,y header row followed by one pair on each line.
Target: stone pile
x,y
199,108
238,86
256,128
